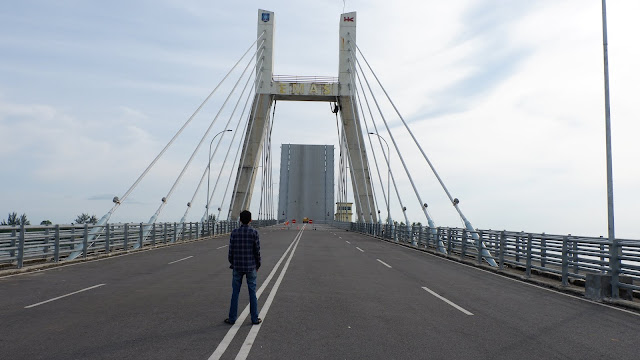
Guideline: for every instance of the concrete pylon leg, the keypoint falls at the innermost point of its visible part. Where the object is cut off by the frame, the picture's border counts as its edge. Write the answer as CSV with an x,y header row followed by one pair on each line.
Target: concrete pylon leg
x,y
250,157
360,175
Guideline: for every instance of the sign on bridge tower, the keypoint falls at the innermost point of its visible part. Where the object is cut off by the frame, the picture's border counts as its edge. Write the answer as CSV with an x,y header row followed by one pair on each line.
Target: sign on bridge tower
x,y
305,88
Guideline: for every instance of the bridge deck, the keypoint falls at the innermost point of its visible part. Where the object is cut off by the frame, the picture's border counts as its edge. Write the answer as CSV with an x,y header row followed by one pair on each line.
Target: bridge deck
x,y
343,295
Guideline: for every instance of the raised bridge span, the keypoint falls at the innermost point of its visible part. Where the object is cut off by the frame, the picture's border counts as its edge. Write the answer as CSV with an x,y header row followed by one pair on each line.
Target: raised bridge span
x,y
325,293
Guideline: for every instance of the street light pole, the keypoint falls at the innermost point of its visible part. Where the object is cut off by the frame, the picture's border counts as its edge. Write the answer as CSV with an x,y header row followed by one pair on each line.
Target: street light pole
x,y
615,253
388,175
209,169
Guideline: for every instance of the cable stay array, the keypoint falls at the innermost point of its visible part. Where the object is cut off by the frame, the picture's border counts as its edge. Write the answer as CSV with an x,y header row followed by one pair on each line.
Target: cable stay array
x,y
361,86
118,201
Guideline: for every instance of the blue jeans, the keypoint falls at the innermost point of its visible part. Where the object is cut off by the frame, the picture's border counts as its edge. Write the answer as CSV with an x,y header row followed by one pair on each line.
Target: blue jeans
x,y
253,299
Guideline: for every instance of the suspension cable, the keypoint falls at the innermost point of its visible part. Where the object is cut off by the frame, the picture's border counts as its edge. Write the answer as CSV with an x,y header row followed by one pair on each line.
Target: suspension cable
x,y
423,206
184,169
253,169
235,134
387,159
270,208
119,201
375,159
341,196
235,161
215,151
356,99
252,116
358,133
406,169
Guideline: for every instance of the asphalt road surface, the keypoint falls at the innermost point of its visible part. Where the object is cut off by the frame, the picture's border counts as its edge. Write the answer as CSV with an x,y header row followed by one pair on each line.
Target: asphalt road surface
x,y
323,294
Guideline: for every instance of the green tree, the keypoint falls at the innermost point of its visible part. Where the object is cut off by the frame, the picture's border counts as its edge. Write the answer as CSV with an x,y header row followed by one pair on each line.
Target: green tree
x,y
46,222
86,219
14,220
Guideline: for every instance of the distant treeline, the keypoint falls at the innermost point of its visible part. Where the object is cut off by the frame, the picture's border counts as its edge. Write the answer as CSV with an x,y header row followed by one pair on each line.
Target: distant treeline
x,y
13,219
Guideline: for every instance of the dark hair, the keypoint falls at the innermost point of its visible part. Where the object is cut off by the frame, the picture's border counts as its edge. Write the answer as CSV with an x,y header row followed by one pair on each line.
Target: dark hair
x,y
245,217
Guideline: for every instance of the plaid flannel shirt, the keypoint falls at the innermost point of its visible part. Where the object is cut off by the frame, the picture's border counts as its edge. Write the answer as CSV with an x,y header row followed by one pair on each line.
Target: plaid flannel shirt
x,y
244,249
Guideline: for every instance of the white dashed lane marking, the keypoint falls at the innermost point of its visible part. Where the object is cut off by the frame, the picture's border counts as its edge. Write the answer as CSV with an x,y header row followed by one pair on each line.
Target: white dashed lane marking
x,y
173,262
384,263
63,296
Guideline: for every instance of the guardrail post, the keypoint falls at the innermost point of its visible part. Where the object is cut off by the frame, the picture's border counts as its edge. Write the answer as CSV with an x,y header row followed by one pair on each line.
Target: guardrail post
x,y
14,236
56,244
153,234
107,239
141,237
126,237
73,237
166,233
449,241
614,265
21,247
392,232
565,261
85,241
543,251
518,249
503,244
602,266
463,244
479,248
420,234
175,232
576,260
529,251
45,249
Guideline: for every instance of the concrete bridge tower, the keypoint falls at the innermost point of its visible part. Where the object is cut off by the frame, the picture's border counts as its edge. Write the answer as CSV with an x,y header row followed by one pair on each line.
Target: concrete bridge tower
x,y
305,88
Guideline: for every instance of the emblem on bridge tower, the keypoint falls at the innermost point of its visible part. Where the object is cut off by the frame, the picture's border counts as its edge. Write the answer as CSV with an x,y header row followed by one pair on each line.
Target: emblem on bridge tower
x,y
265,17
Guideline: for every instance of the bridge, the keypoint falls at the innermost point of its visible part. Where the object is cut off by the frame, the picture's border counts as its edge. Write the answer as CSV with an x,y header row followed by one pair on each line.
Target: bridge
x,y
371,288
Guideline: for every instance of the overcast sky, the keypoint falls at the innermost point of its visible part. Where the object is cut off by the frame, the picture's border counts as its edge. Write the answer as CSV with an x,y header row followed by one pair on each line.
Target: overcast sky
x,y
504,96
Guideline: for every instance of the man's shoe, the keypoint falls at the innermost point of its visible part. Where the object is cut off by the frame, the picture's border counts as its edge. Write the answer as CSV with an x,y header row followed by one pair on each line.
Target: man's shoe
x,y
257,322
227,321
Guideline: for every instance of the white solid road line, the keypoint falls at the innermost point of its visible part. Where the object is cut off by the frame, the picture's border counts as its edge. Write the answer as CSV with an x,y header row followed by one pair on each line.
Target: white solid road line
x,y
63,296
253,333
222,247
224,344
384,263
173,262
359,249
448,301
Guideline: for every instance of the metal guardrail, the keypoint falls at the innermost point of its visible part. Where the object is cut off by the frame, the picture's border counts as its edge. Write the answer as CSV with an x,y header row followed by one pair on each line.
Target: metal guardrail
x,y
569,257
54,243
305,79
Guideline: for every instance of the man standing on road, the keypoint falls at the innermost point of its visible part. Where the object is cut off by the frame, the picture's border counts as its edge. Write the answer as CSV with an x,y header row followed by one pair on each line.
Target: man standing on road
x,y
244,257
